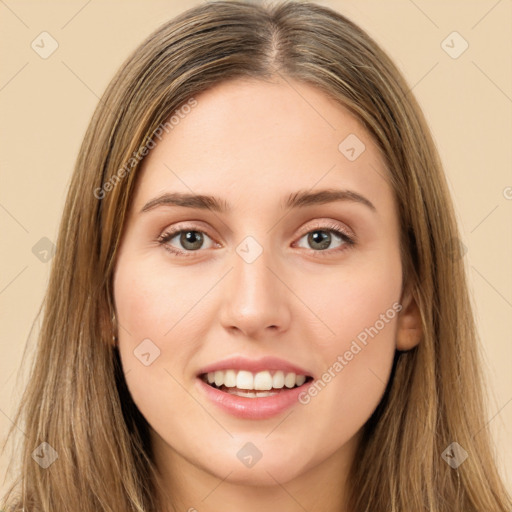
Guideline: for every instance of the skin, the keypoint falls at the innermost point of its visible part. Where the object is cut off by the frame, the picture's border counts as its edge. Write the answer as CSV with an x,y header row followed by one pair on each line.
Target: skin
x,y
252,143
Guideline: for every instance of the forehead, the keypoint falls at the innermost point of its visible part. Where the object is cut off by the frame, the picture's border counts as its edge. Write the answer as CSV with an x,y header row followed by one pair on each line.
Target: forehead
x,y
246,138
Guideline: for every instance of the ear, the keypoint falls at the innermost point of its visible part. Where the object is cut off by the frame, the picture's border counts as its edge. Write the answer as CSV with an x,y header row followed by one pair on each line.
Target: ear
x,y
409,330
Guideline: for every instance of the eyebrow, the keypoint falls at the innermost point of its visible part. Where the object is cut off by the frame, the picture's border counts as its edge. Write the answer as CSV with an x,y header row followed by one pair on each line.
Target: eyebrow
x,y
299,199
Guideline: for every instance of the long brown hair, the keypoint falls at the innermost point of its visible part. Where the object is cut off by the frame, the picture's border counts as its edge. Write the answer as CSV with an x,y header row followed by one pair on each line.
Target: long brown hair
x,y
77,400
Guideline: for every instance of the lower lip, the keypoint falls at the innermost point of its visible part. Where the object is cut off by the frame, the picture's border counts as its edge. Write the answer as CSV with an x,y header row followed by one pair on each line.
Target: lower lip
x,y
253,408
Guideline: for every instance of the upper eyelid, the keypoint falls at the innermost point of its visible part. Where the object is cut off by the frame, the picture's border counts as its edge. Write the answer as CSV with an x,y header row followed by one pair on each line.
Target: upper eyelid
x,y
329,225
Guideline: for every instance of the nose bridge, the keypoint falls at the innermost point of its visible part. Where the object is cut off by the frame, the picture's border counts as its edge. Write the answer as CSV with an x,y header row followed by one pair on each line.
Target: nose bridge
x,y
254,299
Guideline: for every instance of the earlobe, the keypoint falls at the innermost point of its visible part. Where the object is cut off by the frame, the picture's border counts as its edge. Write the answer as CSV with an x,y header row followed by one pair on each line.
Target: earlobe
x,y
409,330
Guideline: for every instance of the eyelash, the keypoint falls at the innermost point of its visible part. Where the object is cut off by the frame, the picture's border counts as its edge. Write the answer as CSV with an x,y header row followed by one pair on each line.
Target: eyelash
x,y
349,241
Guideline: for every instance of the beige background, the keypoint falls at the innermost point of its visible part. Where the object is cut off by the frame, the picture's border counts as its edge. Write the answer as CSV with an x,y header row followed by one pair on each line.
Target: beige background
x,y
46,105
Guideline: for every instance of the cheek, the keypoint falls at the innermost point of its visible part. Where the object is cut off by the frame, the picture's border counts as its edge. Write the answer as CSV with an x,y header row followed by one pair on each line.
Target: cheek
x,y
141,299
153,302
351,300
359,312
154,336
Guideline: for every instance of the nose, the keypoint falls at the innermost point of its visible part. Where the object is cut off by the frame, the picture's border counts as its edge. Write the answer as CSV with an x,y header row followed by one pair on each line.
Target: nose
x,y
255,299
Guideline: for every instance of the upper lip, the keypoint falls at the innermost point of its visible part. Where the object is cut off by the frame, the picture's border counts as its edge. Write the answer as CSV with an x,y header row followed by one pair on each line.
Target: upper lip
x,y
255,365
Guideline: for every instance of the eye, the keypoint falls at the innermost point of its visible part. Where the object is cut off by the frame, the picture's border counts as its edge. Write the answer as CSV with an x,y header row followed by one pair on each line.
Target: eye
x,y
321,237
191,240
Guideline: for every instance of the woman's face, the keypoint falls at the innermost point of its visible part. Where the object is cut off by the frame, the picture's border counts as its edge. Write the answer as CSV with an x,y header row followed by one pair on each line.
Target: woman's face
x,y
280,278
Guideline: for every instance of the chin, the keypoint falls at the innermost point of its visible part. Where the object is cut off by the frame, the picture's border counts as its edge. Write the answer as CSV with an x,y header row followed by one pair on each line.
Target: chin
x,y
268,473
253,459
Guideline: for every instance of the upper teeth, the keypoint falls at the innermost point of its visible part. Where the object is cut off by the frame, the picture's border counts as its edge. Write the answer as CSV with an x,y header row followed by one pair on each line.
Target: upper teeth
x,y
243,379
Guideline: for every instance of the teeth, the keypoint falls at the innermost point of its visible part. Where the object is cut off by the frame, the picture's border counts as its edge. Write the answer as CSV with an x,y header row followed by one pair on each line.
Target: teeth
x,y
261,381
278,380
300,379
230,379
251,394
289,380
244,380
219,378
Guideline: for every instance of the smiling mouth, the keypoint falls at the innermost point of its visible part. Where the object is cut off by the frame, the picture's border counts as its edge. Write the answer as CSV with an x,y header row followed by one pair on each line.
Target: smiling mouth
x,y
254,385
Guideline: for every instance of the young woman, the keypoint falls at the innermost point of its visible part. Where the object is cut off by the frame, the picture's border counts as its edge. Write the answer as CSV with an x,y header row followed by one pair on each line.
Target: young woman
x,y
256,302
